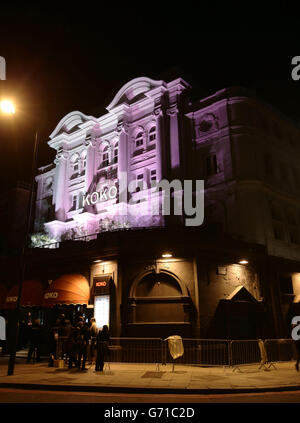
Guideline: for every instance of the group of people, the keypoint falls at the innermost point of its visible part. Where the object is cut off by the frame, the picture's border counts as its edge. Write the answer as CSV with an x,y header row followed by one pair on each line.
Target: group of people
x,y
79,343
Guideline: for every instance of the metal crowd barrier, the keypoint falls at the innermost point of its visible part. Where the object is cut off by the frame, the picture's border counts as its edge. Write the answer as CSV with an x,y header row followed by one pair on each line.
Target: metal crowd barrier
x,y
200,352
244,352
136,350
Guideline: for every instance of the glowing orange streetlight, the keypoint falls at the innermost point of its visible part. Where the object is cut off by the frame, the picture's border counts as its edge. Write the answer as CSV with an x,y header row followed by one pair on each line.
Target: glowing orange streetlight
x,y
7,107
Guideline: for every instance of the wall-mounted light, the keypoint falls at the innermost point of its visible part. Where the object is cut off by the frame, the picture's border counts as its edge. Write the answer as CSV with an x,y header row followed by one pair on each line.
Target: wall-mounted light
x,y
167,255
243,261
97,261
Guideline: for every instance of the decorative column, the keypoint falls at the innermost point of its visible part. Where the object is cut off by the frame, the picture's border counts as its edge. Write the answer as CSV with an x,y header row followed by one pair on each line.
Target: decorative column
x,y
90,144
174,141
61,178
160,140
123,160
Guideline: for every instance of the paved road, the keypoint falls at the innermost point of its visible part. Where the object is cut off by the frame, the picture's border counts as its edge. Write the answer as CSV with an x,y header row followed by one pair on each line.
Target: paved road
x,y
8,395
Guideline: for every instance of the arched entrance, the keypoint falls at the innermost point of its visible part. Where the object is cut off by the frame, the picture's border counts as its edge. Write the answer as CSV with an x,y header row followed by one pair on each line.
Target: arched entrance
x,y
158,306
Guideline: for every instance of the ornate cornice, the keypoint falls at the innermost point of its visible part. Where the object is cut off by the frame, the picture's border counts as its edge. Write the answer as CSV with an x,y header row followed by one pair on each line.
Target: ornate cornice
x,y
122,127
172,110
61,155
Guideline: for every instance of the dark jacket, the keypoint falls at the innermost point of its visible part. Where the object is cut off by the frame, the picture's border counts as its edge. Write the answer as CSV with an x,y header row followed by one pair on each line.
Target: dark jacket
x,y
84,336
102,342
35,335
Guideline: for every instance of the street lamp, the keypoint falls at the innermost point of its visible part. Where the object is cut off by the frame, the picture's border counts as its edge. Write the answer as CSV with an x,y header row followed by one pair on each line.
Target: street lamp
x,y
8,108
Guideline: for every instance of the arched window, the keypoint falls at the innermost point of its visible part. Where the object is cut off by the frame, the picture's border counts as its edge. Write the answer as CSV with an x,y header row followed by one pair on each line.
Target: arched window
x,y
83,162
116,152
74,165
48,184
105,159
152,134
139,139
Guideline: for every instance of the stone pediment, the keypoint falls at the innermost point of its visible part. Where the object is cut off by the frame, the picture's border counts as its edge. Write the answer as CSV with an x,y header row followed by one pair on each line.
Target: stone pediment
x,y
133,91
71,122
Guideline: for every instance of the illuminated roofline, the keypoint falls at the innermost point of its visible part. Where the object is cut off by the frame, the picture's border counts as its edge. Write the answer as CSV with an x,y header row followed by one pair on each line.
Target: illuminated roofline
x,y
70,120
133,88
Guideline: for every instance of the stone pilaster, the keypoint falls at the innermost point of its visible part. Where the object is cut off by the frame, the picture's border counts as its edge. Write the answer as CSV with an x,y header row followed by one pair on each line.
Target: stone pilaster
x,y
123,152
60,189
90,162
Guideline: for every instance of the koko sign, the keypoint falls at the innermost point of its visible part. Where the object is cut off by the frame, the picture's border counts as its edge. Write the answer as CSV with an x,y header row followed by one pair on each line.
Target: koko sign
x,y
11,299
50,295
98,196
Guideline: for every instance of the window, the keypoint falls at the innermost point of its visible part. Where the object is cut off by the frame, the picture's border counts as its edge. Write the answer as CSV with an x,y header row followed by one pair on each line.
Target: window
x,y
292,226
116,152
105,157
152,134
48,183
211,165
140,182
139,140
74,165
153,175
75,202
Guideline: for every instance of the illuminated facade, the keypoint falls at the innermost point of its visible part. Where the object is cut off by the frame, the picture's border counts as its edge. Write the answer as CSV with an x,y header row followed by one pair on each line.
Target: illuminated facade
x,y
95,155
153,131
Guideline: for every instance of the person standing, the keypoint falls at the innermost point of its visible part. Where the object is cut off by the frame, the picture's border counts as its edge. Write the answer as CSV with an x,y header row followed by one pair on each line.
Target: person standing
x,y
73,341
84,336
53,339
35,341
102,348
93,333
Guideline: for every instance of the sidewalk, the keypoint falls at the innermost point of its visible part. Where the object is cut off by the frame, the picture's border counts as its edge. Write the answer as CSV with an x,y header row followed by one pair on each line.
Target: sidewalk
x,y
124,377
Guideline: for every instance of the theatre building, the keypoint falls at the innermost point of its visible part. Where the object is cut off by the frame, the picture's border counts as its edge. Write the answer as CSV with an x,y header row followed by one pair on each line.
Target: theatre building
x,y
101,232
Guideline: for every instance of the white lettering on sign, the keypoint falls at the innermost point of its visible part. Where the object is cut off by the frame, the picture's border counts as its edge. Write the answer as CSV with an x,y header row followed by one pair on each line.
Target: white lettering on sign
x,y
98,196
50,295
95,197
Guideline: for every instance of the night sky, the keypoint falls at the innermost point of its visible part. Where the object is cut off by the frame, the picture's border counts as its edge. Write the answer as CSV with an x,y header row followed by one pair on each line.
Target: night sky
x,y
76,56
